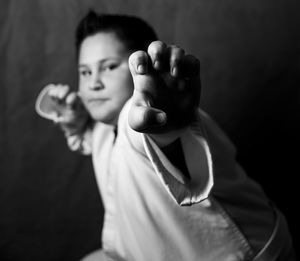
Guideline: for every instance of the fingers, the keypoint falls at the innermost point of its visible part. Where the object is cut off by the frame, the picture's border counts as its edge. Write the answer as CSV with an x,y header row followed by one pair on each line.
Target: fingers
x,y
157,52
138,63
166,87
173,60
169,59
71,99
66,101
58,91
63,95
190,67
176,58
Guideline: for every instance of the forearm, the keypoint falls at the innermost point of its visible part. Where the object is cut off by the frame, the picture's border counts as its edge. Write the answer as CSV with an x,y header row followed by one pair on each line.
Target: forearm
x,y
76,127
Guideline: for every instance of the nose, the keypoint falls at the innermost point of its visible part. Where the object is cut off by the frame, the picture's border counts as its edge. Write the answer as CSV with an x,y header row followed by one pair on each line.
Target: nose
x,y
96,84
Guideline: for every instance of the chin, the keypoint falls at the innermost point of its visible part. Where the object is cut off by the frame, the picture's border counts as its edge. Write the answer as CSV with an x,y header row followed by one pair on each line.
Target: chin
x,y
105,118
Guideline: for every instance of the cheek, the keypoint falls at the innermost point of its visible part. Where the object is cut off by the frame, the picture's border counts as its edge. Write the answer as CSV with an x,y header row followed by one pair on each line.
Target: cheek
x,y
83,94
128,83
81,86
123,87
127,88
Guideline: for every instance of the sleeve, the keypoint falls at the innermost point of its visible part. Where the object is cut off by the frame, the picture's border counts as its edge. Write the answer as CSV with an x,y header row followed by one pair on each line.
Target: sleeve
x,y
197,155
81,143
198,160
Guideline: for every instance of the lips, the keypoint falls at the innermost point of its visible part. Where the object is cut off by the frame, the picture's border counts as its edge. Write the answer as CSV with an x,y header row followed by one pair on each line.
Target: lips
x,y
97,101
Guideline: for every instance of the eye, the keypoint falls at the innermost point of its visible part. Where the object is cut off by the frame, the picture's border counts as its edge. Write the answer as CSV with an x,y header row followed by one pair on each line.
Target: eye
x,y
85,73
110,67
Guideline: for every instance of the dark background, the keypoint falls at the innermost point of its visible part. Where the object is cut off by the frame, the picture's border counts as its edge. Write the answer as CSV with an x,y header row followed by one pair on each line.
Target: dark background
x,y
50,208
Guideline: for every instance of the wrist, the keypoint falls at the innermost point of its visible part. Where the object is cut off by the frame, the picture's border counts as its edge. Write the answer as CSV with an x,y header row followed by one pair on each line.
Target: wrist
x,y
73,128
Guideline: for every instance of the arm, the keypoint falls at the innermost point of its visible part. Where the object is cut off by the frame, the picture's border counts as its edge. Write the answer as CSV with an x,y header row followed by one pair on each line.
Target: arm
x,y
80,141
64,107
164,106
188,185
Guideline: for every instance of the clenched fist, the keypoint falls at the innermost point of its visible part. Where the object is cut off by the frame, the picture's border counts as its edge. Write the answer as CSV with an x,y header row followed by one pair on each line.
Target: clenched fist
x,y
166,88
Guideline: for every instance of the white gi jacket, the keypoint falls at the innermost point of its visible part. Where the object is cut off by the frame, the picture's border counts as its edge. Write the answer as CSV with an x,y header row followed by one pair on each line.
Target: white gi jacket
x,y
153,212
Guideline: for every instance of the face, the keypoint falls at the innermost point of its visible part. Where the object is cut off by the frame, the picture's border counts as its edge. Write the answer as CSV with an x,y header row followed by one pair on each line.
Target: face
x,y
105,82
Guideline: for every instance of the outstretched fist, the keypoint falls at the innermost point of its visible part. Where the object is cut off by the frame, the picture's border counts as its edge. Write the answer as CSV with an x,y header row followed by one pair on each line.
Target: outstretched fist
x,y
166,88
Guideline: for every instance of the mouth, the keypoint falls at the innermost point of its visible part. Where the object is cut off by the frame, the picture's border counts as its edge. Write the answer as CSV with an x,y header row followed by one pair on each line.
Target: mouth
x,y
97,101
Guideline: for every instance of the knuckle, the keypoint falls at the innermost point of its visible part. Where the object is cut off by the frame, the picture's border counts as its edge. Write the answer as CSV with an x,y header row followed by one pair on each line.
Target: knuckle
x,y
137,56
175,49
156,47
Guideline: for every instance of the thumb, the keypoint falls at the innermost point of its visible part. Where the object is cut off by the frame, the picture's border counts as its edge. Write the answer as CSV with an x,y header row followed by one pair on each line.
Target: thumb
x,y
144,118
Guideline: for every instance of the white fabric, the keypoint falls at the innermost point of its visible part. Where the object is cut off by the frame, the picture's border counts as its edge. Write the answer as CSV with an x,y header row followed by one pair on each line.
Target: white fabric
x,y
143,193
153,212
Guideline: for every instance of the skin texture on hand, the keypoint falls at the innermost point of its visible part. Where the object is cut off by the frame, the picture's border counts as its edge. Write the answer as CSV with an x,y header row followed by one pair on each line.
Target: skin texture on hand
x,y
166,88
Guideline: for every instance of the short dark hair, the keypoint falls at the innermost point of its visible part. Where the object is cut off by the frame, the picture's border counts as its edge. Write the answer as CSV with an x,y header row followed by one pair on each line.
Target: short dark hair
x,y
134,32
